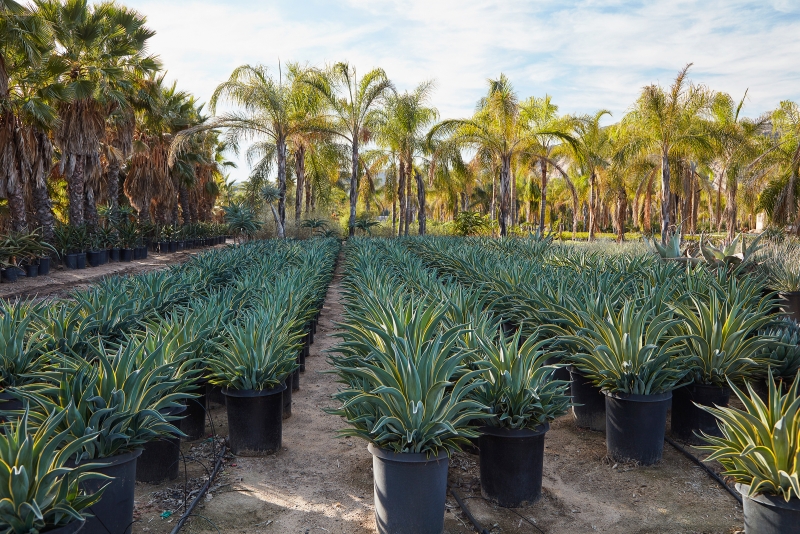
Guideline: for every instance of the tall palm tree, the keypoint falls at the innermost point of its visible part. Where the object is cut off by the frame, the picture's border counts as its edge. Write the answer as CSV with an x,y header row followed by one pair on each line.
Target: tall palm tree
x,y
352,111
104,47
668,124
593,154
781,196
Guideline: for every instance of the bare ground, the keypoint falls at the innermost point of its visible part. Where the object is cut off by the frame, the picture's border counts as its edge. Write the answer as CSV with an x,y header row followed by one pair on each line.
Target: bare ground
x,y
320,483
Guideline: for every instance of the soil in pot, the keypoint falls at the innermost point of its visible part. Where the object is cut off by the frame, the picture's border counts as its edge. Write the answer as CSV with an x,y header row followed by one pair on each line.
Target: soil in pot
x,y
114,511
161,458
791,304
511,465
590,403
409,491
687,420
255,421
44,266
635,426
193,423
287,397
769,514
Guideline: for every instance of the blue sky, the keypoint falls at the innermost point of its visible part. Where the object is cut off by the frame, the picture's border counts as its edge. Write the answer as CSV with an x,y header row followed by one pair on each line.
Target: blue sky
x,y
588,54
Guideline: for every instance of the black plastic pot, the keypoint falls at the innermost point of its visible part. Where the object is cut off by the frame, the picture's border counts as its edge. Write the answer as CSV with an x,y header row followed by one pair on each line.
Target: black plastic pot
x,y
301,359
767,514
114,511
193,423
80,260
163,246
255,421
296,380
173,246
562,373
143,252
214,394
70,528
635,426
8,403
113,254
287,397
94,258
409,491
687,420
791,304
9,275
511,465
181,245
161,458
44,266
589,410
104,256
126,254
32,271
137,253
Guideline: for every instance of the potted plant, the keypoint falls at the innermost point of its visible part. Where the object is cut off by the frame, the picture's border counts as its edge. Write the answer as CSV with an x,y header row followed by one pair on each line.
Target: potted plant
x,y
408,397
13,247
128,235
252,365
19,353
80,242
722,342
40,491
636,357
783,355
120,396
758,448
783,271
523,398
94,256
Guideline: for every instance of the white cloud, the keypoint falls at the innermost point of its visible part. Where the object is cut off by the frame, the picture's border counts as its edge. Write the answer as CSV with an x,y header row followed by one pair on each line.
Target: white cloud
x,y
587,54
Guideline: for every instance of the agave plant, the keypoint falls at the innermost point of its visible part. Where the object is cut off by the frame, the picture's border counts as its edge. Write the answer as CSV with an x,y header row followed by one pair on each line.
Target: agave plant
x,y
519,389
38,491
727,256
257,354
635,350
19,351
760,444
783,355
783,267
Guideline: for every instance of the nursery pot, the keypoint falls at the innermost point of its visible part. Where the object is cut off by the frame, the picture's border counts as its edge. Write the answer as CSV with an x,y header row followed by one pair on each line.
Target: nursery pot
x,y
769,514
409,491
10,274
589,409
193,423
687,419
287,397
32,270
137,253
173,246
44,266
511,464
163,246
71,261
126,254
296,380
114,511
104,256
81,260
791,304
161,458
143,252
301,358
94,258
214,394
255,420
635,426
562,373
8,402
70,528
113,254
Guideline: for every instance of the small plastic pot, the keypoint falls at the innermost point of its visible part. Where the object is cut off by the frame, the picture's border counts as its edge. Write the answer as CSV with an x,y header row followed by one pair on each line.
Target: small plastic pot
x,y
113,254
32,271
8,403
791,304
80,260
589,410
511,465
44,266
114,511
562,373
409,491
163,247
161,458
10,275
94,258
255,421
143,252
287,397
173,246
126,254
301,359
137,253
70,528
71,261
688,420
214,394
296,380
768,514
193,423
104,256
635,426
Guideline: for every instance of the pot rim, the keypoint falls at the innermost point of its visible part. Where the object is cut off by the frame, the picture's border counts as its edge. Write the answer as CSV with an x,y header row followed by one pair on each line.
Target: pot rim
x,y
406,457
253,392
768,500
117,459
657,397
515,433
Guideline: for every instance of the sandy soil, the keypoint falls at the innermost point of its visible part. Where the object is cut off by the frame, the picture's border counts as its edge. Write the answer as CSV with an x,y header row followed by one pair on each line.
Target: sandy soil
x,y
61,280
320,483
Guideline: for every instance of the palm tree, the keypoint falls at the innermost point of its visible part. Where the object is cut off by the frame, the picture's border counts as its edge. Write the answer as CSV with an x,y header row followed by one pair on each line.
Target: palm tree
x,y
667,124
103,47
781,197
593,153
270,194
352,113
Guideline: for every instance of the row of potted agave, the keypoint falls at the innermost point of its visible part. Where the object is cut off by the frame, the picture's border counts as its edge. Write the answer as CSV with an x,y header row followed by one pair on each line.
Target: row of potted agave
x,y
681,342
119,387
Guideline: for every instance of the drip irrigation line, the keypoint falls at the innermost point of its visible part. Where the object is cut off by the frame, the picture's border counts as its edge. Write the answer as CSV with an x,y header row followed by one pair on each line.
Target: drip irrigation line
x,y
200,495
708,470
478,527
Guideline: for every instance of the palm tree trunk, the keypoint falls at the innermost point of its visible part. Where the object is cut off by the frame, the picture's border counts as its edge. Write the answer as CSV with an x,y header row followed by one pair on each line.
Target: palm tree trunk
x,y
731,207
493,205
90,215
409,211
75,190
666,197
144,212
543,198
647,222
401,194
354,187
308,194
113,184
300,172
592,194
718,217
695,199
505,193
421,197
281,144
183,200
278,223
16,206
621,213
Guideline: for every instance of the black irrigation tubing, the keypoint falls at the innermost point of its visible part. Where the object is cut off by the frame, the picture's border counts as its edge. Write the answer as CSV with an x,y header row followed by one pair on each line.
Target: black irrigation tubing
x,y
708,470
478,527
200,495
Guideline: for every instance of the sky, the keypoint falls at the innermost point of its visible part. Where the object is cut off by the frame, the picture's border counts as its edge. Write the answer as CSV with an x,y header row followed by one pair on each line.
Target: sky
x,y
588,55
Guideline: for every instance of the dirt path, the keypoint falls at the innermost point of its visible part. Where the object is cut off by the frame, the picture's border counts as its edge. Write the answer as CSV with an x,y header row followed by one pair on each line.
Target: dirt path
x,y
320,483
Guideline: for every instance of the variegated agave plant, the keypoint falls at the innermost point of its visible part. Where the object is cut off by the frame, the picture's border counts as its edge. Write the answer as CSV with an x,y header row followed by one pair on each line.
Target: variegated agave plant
x,y
760,445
